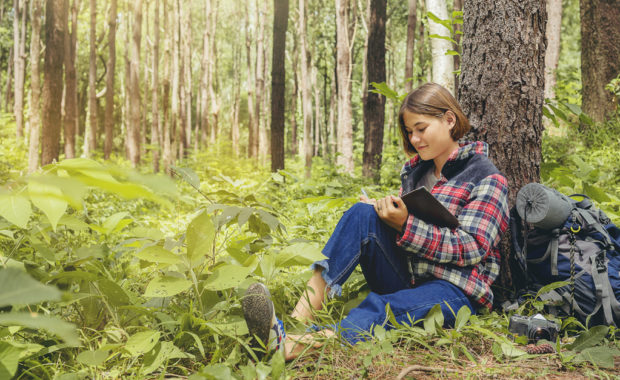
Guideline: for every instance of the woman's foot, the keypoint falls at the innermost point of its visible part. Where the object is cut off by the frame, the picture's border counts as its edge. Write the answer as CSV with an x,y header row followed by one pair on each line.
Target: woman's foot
x,y
266,330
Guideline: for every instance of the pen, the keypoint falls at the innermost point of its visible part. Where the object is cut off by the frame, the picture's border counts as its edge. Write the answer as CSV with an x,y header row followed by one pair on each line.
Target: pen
x,y
364,192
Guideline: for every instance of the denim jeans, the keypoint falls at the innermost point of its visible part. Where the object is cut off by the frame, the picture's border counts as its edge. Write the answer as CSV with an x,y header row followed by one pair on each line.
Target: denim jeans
x,y
362,237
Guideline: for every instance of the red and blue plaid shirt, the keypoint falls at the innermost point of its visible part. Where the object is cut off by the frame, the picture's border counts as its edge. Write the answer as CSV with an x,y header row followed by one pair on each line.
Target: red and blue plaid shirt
x,y
473,190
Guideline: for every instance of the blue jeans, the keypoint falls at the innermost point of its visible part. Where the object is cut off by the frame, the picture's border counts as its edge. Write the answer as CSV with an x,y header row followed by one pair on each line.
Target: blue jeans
x,y
362,237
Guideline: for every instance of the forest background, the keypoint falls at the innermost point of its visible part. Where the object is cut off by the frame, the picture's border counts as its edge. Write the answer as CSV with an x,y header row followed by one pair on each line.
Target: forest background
x,y
266,120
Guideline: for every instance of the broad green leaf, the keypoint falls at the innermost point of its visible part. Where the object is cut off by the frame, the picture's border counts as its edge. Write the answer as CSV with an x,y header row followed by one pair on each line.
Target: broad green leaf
x,y
549,287
599,356
236,326
157,254
166,286
48,199
115,294
452,52
218,372
73,223
18,288
575,109
142,342
66,331
596,193
227,276
299,254
188,175
15,208
442,38
510,351
200,235
589,338
92,358
114,221
433,319
9,359
378,88
446,23
244,215
462,317
162,352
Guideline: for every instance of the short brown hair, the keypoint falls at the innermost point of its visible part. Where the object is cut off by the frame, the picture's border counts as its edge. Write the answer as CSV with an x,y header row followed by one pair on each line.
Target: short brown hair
x,y
434,100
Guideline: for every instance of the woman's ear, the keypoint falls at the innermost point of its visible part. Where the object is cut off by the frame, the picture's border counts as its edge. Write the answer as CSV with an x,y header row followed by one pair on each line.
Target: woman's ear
x,y
450,118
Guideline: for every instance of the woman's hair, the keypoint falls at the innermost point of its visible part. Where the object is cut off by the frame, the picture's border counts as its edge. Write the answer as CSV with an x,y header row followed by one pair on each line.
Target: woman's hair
x,y
434,100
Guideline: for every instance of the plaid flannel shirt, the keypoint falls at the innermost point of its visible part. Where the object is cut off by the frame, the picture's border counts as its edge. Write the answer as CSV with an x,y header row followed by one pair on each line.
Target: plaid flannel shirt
x,y
473,190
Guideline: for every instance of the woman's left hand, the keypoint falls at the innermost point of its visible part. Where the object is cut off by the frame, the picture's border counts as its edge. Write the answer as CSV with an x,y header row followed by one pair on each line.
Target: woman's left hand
x,y
392,211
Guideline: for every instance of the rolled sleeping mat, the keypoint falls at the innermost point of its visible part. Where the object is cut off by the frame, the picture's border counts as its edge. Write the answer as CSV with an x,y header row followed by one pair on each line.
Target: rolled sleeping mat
x,y
543,207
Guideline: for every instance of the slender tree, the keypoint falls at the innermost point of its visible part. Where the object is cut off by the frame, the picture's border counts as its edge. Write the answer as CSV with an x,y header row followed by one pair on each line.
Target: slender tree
x,y
167,153
411,22
52,83
133,132
215,103
35,86
443,65
343,65
552,56
306,101
374,107
156,123
90,134
70,119
109,82
600,55
204,84
278,80
19,59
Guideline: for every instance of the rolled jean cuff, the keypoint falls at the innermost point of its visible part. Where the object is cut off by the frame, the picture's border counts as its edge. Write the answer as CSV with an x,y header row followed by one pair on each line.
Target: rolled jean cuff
x,y
334,289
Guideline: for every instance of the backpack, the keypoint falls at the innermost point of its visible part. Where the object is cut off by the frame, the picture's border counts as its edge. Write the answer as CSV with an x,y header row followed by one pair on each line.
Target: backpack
x,y
563,239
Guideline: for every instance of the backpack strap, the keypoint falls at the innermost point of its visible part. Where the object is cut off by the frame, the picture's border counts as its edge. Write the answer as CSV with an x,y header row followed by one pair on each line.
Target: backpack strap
x,y
551,253
604,292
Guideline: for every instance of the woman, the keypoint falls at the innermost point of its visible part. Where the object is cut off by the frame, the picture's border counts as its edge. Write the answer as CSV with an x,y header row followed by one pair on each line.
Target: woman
x,y
408,263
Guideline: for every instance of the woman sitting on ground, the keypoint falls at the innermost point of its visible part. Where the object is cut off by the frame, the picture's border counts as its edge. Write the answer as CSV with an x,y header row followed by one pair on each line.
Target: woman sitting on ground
x,y
407,262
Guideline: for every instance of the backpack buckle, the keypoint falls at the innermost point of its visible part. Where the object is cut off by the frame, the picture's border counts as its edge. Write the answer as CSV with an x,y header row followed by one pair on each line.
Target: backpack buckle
x,y
600,262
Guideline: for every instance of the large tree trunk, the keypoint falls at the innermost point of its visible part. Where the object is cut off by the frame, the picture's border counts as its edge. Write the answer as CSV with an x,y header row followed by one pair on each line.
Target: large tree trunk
x,y
552,56
19,59
374,107
109,94
133,133
306,102
345,118
35,86
443,65
501,89
52,83
90,135
156,126
600,55
70,121
278,80
411,22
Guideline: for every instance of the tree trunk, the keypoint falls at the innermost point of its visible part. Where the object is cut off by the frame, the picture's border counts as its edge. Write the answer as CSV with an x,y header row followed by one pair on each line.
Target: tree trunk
x,y
19,65
174,108
345,118
70,122
278,80
35,86
333,114
135,112
501,89
52,83
411,22
90,135
250,88
264,145
109,94
443,65
236,100
183,51
9,79
374,107
260,79
458,29
422,46
215,105
317,111
165,104
204,83
156,124
295,94
306,102
600,56
552,56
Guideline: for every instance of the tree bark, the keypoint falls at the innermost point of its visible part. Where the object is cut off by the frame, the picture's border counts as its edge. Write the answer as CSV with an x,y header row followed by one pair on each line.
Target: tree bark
x,y
278,80
165,104
135,103
250,88
345,118
35,86
174,107
600,56
52,83
411,22
295,94
90,135
111,69
9,80
236,100
306,102
374,107
443,65
70,122
183,52
156,124
19,65
501,89
215,104
458,29
204,84
260,79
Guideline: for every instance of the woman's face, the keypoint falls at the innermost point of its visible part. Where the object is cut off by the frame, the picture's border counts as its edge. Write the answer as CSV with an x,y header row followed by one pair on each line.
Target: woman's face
x,y
430,135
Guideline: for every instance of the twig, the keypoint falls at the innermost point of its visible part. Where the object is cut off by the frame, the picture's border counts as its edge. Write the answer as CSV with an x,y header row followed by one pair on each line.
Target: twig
x,y
421,368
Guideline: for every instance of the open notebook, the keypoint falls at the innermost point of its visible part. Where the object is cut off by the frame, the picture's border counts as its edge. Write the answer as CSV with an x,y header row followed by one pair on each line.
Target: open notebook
x,y
422,204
